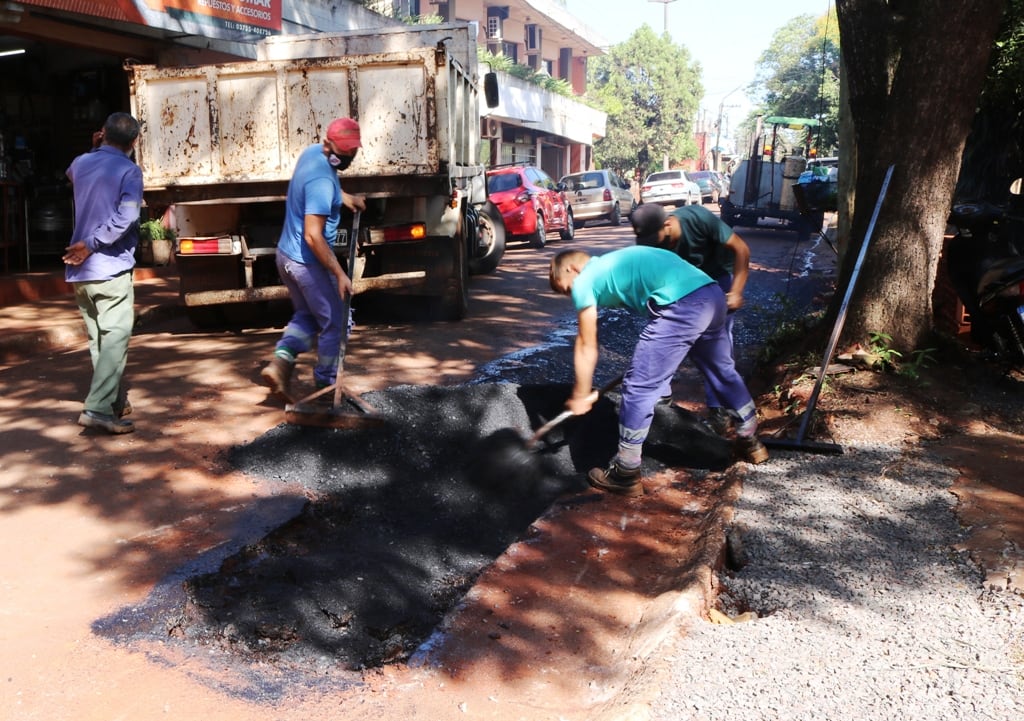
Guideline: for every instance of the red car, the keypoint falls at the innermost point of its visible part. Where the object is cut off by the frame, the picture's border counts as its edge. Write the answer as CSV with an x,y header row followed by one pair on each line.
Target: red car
x,y
531,204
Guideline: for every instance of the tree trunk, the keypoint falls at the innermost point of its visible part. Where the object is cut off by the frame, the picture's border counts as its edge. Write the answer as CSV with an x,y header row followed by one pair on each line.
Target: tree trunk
x,y
935,52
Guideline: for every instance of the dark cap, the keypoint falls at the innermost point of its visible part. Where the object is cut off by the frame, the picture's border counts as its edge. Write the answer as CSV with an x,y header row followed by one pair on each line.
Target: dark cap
x,y
648,220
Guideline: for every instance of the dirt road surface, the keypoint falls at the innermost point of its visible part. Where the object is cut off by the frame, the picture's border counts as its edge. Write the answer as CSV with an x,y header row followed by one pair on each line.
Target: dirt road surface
x,y
94,526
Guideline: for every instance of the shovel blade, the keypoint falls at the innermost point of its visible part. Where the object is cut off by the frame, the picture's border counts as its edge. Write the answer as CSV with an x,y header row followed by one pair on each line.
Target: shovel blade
x,y
302,414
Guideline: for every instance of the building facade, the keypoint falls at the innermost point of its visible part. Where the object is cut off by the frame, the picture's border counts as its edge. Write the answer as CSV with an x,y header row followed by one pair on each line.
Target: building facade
x,y
62,72
532,124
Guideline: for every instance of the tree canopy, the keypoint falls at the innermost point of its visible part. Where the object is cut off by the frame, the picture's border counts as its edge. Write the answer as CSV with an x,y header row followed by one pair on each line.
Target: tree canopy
x,y
798,75
650,89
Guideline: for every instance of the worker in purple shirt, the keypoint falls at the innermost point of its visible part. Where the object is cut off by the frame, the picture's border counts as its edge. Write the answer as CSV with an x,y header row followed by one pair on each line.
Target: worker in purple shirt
x,y
99,261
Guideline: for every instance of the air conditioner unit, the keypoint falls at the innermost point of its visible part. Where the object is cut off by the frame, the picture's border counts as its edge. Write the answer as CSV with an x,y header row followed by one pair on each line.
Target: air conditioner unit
x,y
533,37
490,127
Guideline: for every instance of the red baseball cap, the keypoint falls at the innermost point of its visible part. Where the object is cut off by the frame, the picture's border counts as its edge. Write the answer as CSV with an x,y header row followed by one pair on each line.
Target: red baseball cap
x,y
344,133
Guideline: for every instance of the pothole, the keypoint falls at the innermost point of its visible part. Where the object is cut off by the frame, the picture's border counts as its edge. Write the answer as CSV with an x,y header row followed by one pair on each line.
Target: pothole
x,y
401,520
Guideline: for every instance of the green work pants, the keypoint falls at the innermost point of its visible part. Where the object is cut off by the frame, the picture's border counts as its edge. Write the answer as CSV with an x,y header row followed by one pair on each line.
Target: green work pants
x,y
108,308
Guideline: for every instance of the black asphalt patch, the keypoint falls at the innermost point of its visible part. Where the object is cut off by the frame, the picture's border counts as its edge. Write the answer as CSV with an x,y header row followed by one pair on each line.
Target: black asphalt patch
x,y
403,519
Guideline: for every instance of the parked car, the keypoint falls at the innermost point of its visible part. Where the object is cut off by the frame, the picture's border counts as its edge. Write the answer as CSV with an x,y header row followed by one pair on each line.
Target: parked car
x,y
531,203
598,195
670,187
710,188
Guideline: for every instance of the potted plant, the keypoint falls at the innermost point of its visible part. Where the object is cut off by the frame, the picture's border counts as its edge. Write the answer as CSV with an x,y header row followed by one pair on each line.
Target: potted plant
x,y
156,242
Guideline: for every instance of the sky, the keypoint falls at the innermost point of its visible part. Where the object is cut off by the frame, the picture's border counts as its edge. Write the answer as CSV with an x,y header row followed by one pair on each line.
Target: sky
x,y
726,36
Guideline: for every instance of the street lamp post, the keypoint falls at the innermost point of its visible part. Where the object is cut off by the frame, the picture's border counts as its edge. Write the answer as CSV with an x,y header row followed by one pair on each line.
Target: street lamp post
x,y
665,159
717,150
665,3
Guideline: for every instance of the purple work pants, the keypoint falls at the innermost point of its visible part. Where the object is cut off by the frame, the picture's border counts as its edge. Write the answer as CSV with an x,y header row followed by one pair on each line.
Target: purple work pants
x,y
694,326
317,318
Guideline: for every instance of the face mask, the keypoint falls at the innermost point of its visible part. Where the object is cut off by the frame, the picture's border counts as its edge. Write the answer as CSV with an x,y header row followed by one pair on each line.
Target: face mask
x,y
340,162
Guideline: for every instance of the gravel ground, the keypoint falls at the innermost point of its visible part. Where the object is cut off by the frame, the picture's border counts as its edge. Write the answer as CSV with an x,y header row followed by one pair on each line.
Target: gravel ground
x,y
864,609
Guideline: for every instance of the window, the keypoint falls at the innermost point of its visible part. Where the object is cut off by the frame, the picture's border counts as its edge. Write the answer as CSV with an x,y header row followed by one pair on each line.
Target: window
x,y
533,38
493,27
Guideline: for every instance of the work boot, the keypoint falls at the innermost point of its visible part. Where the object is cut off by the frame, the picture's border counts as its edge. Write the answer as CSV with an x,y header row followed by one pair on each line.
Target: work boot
x,y
277,376
751,450
614,479
719,421
110,424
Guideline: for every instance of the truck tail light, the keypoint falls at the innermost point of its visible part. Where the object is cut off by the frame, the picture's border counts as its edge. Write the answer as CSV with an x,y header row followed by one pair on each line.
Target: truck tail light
x,y
413,231
206,246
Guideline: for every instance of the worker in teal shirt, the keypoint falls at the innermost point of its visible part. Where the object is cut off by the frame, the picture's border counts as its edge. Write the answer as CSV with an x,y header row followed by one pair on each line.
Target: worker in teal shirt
x,y
686,313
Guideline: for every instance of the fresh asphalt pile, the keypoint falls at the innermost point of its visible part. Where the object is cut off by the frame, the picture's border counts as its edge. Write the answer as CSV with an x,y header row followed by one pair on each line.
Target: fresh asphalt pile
x,y
404,517
865,610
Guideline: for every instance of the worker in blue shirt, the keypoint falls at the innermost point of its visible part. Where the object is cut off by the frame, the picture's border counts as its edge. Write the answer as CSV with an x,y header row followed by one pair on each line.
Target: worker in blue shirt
x,y
306,262
99,260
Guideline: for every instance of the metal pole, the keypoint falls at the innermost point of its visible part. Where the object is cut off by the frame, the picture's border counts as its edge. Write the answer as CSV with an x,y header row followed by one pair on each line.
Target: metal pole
x,y
665,3
718,136
665,159
838,327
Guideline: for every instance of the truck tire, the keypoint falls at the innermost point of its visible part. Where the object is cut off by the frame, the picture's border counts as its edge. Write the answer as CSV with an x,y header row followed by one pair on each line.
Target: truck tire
x,y
488,238
453,303
728,214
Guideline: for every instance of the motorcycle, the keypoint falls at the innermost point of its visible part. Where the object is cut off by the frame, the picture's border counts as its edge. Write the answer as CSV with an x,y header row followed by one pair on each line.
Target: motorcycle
x,y
985,259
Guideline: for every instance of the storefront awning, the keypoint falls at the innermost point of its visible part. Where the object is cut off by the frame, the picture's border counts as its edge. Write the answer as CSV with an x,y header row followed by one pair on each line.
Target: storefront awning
x,y
119,10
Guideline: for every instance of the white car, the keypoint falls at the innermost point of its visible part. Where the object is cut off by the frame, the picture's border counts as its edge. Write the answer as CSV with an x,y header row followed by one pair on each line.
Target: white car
x,y
670,187
598,195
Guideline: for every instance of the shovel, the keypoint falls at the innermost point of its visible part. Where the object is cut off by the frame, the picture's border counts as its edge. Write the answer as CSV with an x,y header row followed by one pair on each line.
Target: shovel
x,y
348,410
506,456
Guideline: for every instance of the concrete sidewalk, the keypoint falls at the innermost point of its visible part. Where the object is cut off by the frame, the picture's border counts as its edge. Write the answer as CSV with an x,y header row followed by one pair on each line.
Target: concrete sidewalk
x,y
38,310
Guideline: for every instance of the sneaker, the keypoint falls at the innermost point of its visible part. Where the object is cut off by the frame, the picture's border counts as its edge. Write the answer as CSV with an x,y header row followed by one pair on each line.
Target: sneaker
x,y
751,450
719,421
110,424
616,480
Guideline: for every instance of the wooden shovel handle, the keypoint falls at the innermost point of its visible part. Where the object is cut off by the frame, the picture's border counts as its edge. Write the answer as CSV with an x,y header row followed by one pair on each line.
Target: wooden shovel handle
x,y
566,414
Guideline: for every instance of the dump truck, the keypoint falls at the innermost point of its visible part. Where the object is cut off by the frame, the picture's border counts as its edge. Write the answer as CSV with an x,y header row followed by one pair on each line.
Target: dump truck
x,y
767,183
219,143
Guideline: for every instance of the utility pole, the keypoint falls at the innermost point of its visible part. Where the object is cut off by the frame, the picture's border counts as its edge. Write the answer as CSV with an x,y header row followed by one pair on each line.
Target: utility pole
x,y
665,3
665,159
716,151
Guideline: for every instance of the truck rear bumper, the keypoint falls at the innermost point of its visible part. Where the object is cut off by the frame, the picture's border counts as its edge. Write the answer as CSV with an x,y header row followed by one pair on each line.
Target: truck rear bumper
x,y
394,281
